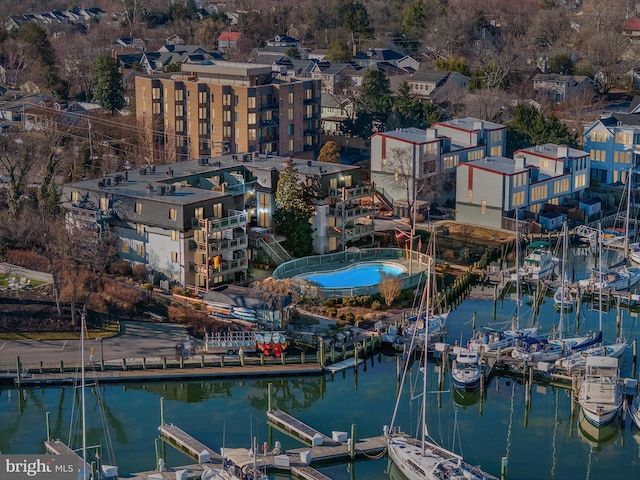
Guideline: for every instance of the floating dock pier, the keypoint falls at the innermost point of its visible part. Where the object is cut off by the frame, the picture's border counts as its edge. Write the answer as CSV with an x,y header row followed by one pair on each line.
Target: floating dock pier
x,y
289,424
186,442
57,447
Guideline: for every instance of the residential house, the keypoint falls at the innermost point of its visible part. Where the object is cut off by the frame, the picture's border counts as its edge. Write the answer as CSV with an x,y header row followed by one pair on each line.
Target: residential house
x,y
335,110
491,189
197,223
613,143
159,61
334,77
427,84
560,88
377,55
228,40
13,104
226,107
631,29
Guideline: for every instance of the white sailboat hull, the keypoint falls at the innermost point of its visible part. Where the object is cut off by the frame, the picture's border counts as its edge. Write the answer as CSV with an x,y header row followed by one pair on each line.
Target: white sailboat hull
x,y
634,410
434,463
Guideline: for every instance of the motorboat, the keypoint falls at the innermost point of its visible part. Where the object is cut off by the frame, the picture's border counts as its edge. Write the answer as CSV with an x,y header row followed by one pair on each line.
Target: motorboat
x,y
490,339
579,359
539,262
543,350
466,369
611,279
601,391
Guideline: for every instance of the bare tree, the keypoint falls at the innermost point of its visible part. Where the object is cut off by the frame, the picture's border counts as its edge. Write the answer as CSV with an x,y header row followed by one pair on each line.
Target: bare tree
x,y
390,287
15,158
407,171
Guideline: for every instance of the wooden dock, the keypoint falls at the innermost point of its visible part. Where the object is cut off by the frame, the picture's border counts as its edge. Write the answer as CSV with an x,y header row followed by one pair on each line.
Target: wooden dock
x,y
57,447
289,424
186,442
308,473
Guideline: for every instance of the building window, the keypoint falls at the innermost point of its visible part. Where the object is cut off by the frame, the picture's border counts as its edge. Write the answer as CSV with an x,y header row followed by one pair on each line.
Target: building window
x,y
517,199
140,249
470,196
251,102
290,114
561,186
483,207
104,204
173,214
599,137
251,118
74,197
348,181
226,99
140,228
155,93
252,134
203,97
290,99
125,247
199,213
202,113
175,257
624,138
291,129
175,235
156,108
291,145
496,151
137,208
308,94
538,193
598,155
217,210
179,95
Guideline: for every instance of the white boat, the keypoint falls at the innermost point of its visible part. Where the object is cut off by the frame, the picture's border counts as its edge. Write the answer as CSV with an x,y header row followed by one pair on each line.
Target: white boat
x,y
611,279
579,359
634,409
421,458
490,339
539,262
601,391
541,350
564,298
436,324
466,369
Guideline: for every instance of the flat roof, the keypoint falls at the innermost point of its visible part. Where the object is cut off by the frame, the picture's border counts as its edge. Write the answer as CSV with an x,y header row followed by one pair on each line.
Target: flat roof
x,y
156,176
504,165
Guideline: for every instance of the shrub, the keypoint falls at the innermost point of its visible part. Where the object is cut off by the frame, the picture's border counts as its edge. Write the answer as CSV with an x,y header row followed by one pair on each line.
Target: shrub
x,y
332,312
349,301
358,318
329,302
120,267
363,300
350,317
375,305
139,271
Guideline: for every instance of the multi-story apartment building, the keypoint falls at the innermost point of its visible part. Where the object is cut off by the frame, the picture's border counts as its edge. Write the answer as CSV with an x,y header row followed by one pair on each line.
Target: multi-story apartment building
x,y
411,161
492,188
190,222
614,146
210,109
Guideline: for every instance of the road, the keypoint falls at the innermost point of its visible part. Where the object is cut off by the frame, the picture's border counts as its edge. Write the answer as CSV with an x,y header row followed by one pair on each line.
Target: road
x,y
135,340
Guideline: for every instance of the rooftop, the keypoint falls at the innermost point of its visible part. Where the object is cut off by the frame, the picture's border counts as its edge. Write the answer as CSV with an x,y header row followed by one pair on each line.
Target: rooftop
x,y
503,165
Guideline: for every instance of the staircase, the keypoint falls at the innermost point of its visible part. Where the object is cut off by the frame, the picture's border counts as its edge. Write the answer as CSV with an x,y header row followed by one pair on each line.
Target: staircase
x,y
384,200
274,250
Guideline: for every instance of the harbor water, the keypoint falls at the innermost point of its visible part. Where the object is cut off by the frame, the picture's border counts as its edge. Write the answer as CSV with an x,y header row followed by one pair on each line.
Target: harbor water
x,y
544,441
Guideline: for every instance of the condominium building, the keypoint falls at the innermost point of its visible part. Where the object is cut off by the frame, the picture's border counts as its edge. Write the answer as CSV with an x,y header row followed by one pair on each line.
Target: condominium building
x,y
491,189
207,110
411,162
198,223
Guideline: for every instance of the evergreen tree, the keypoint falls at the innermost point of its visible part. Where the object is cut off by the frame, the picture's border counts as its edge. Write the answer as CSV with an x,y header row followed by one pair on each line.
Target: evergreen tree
x,y
338,51
107,83
373,105
355,19
294,205
528,127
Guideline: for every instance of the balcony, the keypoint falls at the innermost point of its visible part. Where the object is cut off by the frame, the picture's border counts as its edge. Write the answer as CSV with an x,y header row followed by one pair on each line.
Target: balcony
x,y
237,219
269,106
269,123
348,193
310,101
225,267
270,139
350,212
351,233
218,246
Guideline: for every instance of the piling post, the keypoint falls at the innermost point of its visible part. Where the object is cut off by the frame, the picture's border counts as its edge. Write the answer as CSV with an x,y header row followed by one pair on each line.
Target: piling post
x,y
48,430
181,361
41,367
124,364
144,363
61,366
634,349
473,323
201,361
321,353
164,363
352,442
269,396
19,371
161,410
503,468
302,357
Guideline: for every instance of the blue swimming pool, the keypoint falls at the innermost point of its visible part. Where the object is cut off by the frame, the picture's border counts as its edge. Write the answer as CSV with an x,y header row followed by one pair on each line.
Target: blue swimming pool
x,y
357,275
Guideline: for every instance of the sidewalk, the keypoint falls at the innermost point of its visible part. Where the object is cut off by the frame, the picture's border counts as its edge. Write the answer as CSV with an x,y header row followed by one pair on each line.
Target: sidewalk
x,y
8,269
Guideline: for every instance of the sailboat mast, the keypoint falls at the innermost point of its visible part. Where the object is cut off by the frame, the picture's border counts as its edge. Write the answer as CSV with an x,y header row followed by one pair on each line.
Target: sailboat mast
x,y
564,260
600,279
82,399
425,362
516,321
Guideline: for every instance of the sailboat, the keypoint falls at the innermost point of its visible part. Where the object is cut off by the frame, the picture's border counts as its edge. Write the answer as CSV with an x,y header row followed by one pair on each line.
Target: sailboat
x,y
579,359
105,472
634,409
490,339
422,458
564,297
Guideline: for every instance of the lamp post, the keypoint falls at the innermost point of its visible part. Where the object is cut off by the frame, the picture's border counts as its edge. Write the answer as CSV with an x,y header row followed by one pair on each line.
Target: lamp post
x,y
99,339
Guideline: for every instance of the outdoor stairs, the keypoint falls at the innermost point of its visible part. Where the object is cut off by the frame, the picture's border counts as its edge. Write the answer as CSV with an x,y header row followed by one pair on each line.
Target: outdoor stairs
x,y
384,199
276,253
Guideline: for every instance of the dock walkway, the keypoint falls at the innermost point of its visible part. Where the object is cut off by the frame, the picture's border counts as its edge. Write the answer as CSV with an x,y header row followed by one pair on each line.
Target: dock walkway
x,y
193,447
57,447
309,434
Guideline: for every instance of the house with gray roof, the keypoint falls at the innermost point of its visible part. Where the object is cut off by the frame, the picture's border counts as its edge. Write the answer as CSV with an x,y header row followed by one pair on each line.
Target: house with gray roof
x,y
428,84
